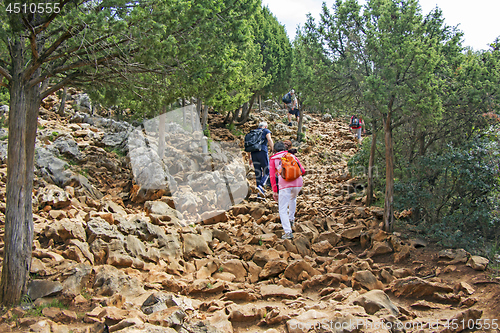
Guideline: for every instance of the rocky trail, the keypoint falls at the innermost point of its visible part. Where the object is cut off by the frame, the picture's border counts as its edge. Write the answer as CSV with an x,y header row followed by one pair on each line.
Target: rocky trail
x,y
110,255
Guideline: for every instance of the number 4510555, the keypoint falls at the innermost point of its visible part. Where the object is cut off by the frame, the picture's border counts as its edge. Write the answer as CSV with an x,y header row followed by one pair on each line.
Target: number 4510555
x,y
33,8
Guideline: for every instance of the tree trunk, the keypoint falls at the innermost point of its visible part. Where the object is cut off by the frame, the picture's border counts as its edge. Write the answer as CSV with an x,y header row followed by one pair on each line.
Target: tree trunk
x,y
204,118
299,130
18,239
63,102
415,213
371,162
236,113
260,103
246,111
161,133
228,116
389,176
198,111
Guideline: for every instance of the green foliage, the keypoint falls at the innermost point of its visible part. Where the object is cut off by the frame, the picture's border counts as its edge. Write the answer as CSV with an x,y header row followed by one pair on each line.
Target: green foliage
x,y
117,151
455,193
84,172
3,122
4,96
235,131
37,310
85,293
53,136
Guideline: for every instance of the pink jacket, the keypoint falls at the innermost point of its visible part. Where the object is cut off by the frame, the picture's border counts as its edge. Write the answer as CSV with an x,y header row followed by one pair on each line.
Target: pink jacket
x,y
275,165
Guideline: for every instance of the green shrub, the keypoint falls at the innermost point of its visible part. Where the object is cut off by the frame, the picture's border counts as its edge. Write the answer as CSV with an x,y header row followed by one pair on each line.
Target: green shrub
x,y
454,194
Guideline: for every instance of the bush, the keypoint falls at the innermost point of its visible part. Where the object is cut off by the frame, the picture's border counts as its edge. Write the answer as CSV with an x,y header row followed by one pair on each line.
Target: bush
x,y
454,194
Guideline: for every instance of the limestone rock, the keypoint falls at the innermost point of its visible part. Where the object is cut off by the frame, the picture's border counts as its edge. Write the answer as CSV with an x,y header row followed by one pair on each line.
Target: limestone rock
x,y
353,232
43,288
375,300
293,270
245,313
478,263
416,287
272,290
195,246
367,280
273,268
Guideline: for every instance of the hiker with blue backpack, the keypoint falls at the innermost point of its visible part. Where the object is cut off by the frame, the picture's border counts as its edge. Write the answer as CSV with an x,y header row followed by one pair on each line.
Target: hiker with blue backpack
x,y
256,147
292,105
356,125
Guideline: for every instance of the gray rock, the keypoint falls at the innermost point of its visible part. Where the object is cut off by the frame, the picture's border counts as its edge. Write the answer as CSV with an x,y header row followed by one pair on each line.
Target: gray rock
x,y
79,117
68,147
4,109
65,229
159,208
98,228
77,278
43,288
326,117
53,196
83,103
51,168
3,152
157,302
115,140
110,280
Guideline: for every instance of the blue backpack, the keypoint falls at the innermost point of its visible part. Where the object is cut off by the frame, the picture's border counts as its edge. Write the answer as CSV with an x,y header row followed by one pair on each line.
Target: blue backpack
x,y
287,98
354,122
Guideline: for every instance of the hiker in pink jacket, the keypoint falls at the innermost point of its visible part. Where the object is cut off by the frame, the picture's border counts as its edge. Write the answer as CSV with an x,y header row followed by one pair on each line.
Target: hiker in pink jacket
x,y
288,190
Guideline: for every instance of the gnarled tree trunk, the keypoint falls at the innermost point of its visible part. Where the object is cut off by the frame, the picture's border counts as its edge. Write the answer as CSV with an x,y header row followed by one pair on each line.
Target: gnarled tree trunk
x,y
247,107
24,105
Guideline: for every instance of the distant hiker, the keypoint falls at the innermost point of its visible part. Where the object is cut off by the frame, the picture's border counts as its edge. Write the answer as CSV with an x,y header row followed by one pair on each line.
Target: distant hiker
x,y
288,189
258,156
355,126
292,105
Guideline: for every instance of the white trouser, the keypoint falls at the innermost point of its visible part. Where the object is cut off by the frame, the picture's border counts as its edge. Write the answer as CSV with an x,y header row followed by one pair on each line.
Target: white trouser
x,y
287,202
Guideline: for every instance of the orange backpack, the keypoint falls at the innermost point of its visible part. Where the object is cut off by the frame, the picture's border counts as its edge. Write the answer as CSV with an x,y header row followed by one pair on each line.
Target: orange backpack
x,y
290,169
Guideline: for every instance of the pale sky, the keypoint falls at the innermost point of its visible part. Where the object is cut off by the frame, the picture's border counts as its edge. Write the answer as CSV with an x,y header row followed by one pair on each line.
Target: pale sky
x,y
477,19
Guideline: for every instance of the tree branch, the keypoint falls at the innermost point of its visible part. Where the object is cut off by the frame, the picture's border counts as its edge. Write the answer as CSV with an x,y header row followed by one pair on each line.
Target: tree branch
x,y
39,61
58,86
5,73
51,18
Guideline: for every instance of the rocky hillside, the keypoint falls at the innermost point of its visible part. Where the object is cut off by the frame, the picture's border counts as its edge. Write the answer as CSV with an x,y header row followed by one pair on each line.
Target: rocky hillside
x,y
134,249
